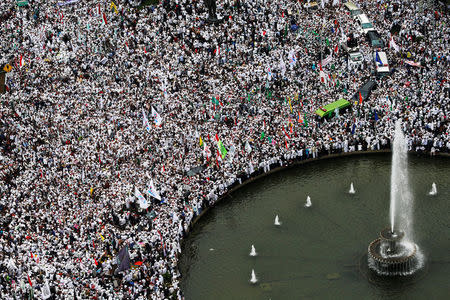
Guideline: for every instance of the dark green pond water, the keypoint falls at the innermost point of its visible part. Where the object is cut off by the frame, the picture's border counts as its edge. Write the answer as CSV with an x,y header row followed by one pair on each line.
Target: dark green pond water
x,y
316,252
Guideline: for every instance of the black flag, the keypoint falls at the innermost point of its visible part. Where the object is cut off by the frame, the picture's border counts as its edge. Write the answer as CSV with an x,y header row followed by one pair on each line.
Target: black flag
x,y
123,260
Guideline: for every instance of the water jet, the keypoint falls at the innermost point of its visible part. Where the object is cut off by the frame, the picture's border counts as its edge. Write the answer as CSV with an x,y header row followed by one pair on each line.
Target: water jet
x,y
352,189
394,253
277,221
433,191
308,202
253,278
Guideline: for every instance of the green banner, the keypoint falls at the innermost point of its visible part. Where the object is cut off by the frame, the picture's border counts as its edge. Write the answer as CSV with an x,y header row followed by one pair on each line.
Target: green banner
x,y
222,150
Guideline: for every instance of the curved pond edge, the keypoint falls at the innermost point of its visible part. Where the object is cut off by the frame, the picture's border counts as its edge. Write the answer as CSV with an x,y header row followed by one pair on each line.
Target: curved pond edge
x,y
291,165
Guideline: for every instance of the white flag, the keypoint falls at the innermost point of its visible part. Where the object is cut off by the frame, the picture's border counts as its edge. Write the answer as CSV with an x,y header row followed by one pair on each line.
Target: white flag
x,y
45,290
323,76
146,124
292,59
335,2
327,60
392,44
164,88
269,74
282,66
248,148
206,151
143,203
156,117
152,191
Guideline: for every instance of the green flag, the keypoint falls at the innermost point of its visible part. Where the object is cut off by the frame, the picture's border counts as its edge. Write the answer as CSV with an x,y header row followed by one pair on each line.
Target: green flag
x,y
262,135
214,101
305,121
222,150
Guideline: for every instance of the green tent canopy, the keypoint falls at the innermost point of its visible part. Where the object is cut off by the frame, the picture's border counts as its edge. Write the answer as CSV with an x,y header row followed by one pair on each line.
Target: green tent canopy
x,y
329,108
21,3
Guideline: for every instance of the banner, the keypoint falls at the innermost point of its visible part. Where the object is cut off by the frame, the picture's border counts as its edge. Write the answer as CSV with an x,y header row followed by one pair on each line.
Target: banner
x,y
146,123
67,2
152,191
143,203
157,117
222,150
411,63
327,60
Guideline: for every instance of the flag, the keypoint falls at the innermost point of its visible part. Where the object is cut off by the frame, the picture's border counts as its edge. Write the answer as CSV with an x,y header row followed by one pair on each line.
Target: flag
x,y
146,123
262,135
201,142
113,6
222,150
290,104
335,2
217,50
45,291
206,151
392,44
164,88
269,74
282,66
156,117
299,118
360,98
143,203
214,101
353,128
104,19
378,59
327,60
292,59
29,280
336,49
21,61
123,260
376,116
323,76
248,148
412,63
322,4
152,191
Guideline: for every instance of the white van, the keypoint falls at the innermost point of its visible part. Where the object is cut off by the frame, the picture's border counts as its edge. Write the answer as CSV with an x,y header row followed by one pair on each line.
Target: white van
x,y
364,24
353,9
355,58
381,63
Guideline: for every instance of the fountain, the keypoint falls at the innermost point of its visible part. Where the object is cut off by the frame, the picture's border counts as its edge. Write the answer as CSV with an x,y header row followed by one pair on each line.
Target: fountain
x,y
253,251
253,279
352,189
433,191
308,202
394,253
277,221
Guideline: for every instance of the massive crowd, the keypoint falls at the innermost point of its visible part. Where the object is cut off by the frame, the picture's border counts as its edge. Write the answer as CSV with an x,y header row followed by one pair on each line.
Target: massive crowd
x,y
77,151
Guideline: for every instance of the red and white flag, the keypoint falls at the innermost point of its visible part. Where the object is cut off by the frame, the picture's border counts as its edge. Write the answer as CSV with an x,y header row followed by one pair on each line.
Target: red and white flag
x,y
392,44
